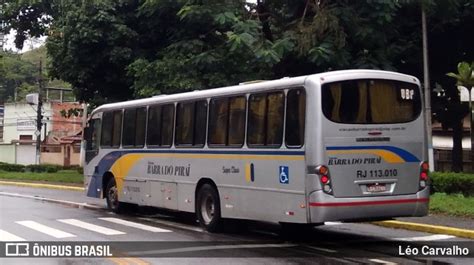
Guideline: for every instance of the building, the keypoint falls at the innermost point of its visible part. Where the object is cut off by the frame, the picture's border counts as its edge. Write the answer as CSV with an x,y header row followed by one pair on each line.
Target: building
x,y
60,136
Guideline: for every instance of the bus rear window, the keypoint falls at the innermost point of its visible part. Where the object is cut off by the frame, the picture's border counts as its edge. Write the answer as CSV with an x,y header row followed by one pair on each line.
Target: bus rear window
x,y
371,101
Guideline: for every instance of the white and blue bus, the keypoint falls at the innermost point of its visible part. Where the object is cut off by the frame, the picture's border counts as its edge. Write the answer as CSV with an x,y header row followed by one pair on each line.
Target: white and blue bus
x,y
335,146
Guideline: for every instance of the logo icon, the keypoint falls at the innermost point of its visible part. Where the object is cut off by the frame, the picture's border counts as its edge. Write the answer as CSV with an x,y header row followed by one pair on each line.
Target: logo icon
x,y
17,249
284,175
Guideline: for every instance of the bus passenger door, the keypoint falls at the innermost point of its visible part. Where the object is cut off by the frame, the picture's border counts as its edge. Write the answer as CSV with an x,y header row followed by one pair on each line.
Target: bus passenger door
x,y
156,199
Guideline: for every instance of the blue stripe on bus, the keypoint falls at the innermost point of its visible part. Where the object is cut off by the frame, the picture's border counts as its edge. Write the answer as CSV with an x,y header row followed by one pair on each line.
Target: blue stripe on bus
x,y
407,156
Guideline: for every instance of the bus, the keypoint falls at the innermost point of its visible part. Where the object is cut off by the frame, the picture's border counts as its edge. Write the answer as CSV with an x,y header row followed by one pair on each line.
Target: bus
x,y
335,146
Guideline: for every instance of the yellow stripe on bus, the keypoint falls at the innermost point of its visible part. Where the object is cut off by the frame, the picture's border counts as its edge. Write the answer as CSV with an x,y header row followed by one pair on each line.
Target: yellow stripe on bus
x,y
248,173
388,156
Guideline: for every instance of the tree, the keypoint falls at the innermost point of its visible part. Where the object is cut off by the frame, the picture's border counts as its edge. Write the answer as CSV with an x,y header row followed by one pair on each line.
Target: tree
x,y
465,78
17,77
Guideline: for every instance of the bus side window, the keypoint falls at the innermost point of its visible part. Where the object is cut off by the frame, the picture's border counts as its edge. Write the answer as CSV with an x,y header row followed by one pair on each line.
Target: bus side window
x,y
218,121
184,123
191,123
265,125
154,126
227,121
200,123
140,127
256,120
134,127
95,140
160,125
167,125
107,125
117,128
236,132
129,118
275,112
92,132
295,117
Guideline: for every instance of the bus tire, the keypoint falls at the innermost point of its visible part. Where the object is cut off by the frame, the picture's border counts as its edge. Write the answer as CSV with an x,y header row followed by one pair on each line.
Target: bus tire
x,y
208,208
111,196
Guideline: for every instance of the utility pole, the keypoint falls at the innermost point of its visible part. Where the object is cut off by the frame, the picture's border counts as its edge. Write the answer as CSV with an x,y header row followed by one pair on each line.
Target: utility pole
x,y
39,115
426,83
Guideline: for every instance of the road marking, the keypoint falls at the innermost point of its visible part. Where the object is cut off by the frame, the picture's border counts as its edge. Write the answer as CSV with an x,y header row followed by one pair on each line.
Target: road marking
x,y
332,223
5,236
137,261
133,224
322,249
91,227
204,248
381,261
175,225
425,238
45,229
118,261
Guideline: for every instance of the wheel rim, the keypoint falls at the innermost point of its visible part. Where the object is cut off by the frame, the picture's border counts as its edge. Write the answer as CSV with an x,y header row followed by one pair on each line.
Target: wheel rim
x,y
112,196
208,209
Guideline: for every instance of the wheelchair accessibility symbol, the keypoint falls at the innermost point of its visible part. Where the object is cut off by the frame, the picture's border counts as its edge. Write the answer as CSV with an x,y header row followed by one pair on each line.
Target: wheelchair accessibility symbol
x,y
284,175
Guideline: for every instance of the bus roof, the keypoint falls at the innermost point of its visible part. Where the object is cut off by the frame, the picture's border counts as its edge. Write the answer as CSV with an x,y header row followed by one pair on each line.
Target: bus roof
x,y
262,86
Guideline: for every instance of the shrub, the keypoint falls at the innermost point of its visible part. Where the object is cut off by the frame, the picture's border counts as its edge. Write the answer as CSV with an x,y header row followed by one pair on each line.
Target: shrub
x,y
12,167
451,183
43,168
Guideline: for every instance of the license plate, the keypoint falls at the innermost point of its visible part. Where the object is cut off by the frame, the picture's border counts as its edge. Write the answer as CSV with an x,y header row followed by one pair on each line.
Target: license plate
x,y
376,188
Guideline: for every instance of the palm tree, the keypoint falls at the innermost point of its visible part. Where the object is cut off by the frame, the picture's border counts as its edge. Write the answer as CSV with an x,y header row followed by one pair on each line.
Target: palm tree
x,y
465,78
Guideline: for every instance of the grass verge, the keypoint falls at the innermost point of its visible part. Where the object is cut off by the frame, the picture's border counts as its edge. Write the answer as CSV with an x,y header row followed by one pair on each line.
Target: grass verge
x,y
452,204
62,176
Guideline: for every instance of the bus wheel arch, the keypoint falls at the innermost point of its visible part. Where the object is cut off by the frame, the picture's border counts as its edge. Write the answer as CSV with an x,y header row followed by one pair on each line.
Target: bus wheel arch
x,y
208,206
110,192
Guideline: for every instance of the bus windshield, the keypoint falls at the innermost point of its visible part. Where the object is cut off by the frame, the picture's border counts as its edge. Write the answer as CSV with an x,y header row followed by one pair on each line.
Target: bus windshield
x,y
371,101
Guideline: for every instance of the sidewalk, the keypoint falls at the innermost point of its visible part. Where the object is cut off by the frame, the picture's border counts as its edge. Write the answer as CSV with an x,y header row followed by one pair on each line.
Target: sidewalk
x,y
433,223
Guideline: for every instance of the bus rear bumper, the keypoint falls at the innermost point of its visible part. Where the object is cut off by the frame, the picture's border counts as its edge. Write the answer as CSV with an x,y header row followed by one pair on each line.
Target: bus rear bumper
x,y
324,207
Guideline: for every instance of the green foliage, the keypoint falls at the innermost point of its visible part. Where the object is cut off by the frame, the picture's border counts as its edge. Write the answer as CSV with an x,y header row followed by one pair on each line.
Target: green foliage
x,y
16,76
452,204
33,168
43,168
465,76
453,183
62,176
11,167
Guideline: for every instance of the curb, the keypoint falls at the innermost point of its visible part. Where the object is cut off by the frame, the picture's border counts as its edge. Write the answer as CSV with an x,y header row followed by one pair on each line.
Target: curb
x,y
62,202
434,229
41,185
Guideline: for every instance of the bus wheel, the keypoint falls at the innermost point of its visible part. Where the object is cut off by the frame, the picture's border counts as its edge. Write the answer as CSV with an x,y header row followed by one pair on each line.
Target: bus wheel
x,y
208,209
111,196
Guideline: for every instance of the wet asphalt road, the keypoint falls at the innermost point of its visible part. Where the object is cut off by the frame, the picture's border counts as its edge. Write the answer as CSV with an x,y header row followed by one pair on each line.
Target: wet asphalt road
x,y
154,236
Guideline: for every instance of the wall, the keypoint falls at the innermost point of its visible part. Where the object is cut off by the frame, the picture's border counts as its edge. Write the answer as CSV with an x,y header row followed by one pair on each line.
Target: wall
x,y
8,153
57,158
25,154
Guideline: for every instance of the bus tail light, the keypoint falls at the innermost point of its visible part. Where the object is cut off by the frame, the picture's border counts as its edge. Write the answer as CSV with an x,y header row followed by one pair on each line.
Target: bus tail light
x,y
424,168
324,178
